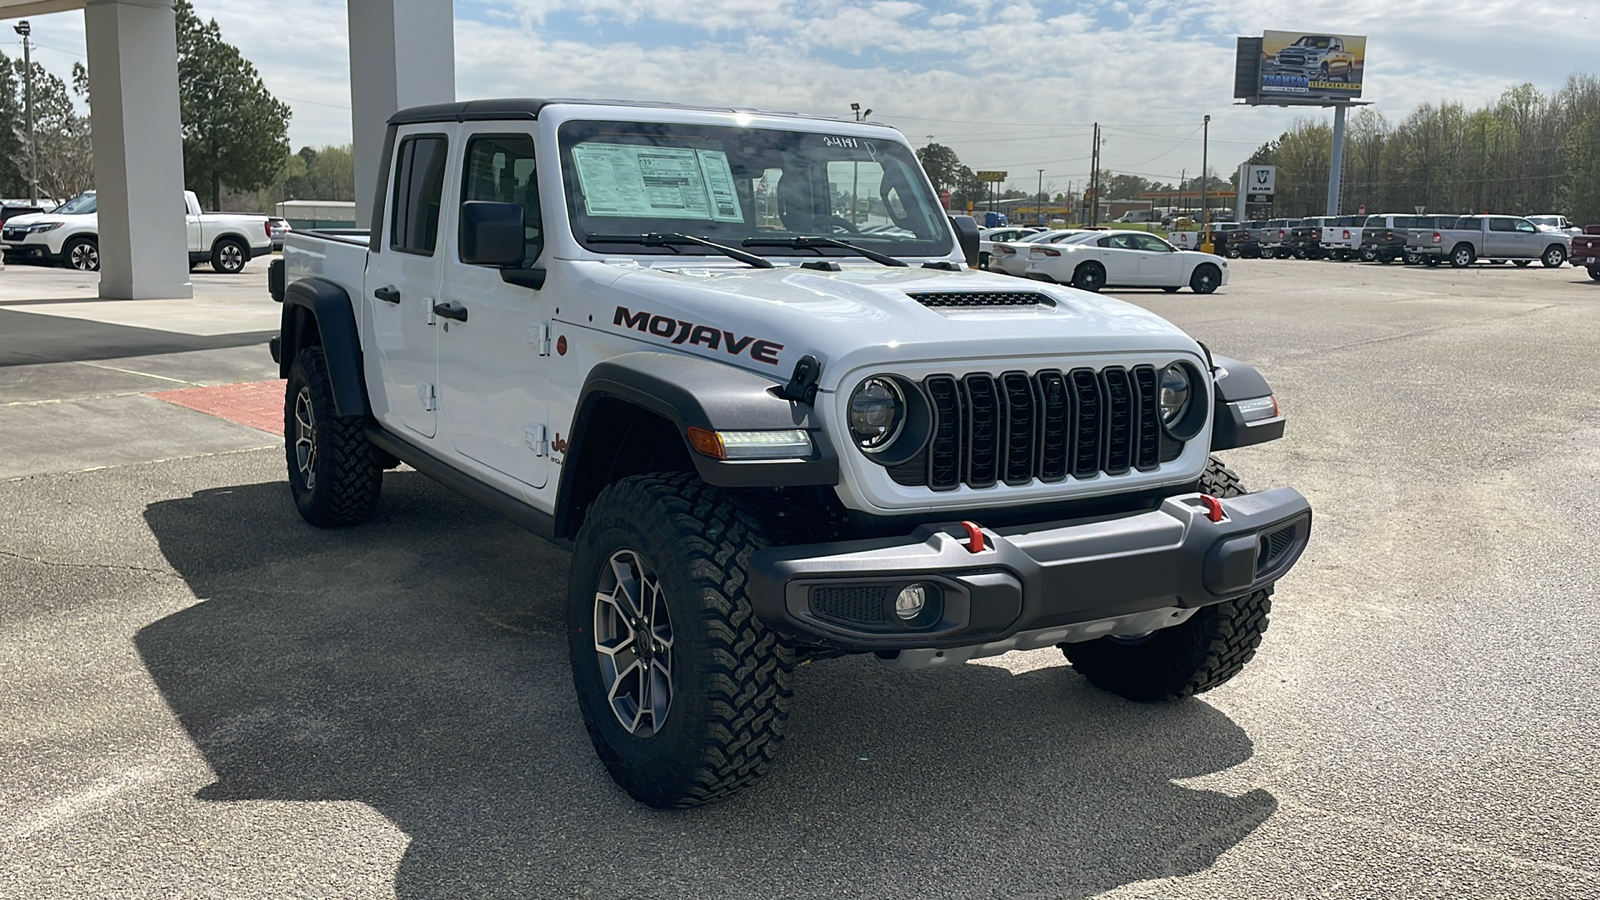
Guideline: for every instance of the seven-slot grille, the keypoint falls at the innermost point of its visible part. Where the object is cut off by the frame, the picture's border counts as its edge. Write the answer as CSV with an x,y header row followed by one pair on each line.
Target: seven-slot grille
x,y
981,299
1047,425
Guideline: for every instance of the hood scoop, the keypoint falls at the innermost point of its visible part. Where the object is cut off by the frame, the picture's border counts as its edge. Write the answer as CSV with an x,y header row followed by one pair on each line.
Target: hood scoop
x,y
982,299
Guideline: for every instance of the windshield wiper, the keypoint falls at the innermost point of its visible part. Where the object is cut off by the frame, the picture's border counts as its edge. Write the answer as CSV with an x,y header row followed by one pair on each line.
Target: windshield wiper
x,y
673,241
813,242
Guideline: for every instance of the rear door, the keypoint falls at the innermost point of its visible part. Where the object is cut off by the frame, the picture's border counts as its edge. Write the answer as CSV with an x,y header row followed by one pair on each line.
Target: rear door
x,y
493,365
1500,240
403,277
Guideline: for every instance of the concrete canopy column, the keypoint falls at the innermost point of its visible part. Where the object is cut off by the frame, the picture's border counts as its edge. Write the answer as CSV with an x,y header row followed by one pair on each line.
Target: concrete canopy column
x,y
138,149
402,53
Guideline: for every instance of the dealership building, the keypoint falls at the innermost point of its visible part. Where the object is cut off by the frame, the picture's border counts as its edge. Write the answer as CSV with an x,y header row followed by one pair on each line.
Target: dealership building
x,y
402,53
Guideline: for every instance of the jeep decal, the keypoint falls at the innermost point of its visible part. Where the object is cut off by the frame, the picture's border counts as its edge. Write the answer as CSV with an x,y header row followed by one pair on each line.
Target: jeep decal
x,y
680,331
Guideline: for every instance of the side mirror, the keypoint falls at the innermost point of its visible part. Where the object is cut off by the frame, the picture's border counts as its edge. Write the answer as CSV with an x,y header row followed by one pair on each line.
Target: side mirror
x,y
967,237
492,234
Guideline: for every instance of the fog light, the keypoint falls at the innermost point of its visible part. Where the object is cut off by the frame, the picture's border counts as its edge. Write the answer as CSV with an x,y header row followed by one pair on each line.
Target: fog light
x,y
911,600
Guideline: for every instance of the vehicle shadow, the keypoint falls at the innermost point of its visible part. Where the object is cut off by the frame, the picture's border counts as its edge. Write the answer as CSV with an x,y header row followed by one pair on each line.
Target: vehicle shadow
x,y
418,665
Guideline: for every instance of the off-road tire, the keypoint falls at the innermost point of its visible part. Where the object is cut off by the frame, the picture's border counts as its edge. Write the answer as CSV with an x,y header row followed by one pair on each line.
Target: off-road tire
x,y
228,256
1206,279
1554,257
341,482
82,254
1210,648
730,684
1090,276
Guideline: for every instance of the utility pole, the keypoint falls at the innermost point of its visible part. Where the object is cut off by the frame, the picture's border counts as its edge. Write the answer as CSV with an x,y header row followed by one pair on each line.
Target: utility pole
x,y
1205,206
1040,195
1094,178
24,29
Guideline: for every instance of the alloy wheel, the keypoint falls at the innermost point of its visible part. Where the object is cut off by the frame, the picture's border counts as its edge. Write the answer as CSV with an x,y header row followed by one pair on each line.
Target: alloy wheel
x,y
231,256
633,640
305,438
85,257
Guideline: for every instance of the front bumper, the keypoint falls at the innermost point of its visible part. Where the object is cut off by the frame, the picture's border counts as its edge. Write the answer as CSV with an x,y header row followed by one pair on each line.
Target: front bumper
x,y
1028,578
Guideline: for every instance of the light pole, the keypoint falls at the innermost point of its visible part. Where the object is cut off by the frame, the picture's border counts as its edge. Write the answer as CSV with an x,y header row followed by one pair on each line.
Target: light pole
x,y
1205,207
24,29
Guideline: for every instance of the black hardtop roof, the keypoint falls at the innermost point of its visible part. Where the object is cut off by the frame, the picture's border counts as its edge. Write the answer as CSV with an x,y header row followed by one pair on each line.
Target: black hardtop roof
x,y
528,108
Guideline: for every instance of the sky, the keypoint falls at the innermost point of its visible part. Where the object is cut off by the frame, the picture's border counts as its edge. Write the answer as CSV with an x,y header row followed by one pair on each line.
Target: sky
x,y
1009,86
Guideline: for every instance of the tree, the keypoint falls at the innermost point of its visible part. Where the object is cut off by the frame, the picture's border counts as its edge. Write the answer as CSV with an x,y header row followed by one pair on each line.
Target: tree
x,y
65,164
941,164
234,130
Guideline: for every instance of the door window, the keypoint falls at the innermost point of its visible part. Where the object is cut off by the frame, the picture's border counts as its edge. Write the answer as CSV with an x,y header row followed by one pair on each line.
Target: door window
x,y
500,169
1502,224
1150,242
1526,227
418,193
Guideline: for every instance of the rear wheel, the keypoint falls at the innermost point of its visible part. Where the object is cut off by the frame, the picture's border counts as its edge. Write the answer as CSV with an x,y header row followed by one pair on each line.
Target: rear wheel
x,y
1090,276
1462,256
335,474
1433,261
1368,254
228,256
1554,256
684,694
1205,279
1594,272
1207,650
983,260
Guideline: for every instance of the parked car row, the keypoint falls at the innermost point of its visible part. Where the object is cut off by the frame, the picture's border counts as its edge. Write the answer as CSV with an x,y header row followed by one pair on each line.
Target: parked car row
x,y
70,235
1413,239
1096,258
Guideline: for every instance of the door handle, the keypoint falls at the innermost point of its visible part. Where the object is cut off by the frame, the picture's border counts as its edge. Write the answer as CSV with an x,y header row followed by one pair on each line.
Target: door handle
x,y
387,294
451,310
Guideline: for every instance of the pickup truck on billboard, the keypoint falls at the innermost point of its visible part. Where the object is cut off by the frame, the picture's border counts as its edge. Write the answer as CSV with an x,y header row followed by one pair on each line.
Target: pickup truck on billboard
x,y
1305,67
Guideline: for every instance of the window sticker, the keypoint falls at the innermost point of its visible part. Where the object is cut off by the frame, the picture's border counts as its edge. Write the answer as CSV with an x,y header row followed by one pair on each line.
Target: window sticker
x,y
641,181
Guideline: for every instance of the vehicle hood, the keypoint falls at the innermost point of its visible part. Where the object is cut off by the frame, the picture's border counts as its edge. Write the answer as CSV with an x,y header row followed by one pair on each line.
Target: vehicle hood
x,y
860,316
46,218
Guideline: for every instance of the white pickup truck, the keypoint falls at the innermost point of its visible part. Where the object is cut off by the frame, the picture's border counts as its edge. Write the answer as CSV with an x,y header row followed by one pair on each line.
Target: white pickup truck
x,y
770,432
70,234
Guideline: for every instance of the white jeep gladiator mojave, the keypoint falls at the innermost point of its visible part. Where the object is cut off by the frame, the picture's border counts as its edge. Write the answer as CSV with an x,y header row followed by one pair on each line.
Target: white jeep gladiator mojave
x,y
743,366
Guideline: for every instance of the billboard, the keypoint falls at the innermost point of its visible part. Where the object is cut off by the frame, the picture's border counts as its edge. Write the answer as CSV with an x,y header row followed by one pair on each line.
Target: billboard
x,y
1311,68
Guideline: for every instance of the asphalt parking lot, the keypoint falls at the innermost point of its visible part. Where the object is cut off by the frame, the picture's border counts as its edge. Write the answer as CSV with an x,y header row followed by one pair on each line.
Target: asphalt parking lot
x,y
201,696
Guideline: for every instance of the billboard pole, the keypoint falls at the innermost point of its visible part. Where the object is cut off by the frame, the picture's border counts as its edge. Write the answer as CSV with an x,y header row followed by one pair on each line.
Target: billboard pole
x,y
1336,159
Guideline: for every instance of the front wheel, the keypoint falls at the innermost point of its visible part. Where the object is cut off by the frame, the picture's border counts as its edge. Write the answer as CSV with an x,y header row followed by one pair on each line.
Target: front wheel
x,y
684,694
1207,650
1090,276
335,474
1205,280
1554,256
82,254
229,256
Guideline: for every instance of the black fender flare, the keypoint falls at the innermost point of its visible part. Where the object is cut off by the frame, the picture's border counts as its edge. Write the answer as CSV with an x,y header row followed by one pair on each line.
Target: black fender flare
x,y
320,305
1237,382
688,391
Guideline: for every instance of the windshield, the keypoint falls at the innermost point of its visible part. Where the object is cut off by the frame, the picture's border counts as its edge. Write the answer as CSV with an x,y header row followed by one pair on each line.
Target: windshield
x,y
1321,43
731,185
81,205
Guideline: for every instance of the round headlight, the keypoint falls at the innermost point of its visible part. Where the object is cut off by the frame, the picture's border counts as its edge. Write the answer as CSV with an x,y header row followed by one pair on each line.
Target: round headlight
x,y
877,413
1174,394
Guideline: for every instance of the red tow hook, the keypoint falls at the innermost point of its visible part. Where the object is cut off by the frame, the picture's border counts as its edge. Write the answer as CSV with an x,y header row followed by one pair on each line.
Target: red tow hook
x,y
1213,507
974,537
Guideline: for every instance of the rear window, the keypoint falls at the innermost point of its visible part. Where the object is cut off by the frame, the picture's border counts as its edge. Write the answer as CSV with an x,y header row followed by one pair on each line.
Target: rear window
x,y
418,192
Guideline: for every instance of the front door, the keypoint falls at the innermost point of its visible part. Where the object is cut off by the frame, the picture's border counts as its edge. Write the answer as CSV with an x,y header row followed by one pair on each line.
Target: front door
x,y
402,284
1500,239
1159,264
493,365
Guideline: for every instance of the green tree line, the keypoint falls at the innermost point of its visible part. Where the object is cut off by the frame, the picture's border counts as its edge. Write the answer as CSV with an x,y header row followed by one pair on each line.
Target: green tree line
x,y
1525,153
